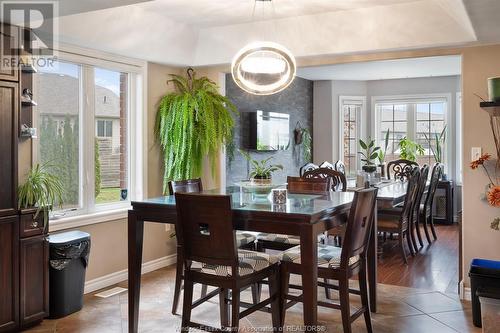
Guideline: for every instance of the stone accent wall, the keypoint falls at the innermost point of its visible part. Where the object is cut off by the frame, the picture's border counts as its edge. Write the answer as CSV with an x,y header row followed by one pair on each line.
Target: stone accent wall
x,y
296,100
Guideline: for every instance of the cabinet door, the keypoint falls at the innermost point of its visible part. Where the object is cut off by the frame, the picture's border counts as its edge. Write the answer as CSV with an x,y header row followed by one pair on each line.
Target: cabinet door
x,y
9,106
34,279
9,40
9,273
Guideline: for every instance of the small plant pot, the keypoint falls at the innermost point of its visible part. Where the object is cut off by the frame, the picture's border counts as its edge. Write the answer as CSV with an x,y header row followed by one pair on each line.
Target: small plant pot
x,y
261,180
369,168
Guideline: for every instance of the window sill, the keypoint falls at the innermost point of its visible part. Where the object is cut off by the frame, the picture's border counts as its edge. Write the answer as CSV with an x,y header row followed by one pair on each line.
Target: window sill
x,y
88,219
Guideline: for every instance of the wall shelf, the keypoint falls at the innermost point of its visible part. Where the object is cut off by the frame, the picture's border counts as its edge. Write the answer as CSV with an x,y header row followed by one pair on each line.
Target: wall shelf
x,y
493,108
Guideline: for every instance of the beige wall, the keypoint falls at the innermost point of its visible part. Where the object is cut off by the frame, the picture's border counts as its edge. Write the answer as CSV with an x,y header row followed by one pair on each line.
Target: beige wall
x,y
479,241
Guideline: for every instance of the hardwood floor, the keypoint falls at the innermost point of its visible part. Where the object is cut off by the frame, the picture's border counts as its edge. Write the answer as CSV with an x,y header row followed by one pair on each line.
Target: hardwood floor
x,y
435,267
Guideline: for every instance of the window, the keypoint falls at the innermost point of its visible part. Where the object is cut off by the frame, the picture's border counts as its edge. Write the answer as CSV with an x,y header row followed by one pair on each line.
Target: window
x,y
87,144
417,118
104,128
351,110
430,121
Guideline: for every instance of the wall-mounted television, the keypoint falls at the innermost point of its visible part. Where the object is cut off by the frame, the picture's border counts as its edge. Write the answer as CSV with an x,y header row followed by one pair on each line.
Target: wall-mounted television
x,y
268,130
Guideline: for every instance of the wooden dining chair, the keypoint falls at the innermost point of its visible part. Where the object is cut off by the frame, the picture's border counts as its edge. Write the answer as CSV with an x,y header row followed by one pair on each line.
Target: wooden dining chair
x,y
211,257
340,166
327,165
297,185
339,182
426,208
243,239
400,223
340,264
415,221
307,167
400,169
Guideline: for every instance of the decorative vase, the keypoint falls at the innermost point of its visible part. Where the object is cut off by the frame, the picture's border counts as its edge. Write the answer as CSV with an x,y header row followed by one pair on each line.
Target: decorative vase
x,y
494,89
258,180
382,170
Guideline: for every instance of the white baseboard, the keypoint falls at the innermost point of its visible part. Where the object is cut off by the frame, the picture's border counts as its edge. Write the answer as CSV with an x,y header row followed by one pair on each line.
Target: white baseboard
x,y
116,277
465,292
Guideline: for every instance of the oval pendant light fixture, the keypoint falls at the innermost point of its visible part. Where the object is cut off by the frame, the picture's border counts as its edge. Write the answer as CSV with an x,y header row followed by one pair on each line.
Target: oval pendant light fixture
x,y
263,68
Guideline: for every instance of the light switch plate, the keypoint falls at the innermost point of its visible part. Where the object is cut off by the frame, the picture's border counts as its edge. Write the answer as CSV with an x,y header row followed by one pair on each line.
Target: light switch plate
x,y
475,153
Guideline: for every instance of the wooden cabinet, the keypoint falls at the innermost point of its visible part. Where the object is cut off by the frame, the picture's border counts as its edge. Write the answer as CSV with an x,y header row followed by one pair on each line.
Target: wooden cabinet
x,y
9,108
9,274
10,41
34,279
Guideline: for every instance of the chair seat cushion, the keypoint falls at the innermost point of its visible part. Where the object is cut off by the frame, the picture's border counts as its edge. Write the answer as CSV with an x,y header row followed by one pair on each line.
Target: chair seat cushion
x,y
244,238
279,238
249,262
328,256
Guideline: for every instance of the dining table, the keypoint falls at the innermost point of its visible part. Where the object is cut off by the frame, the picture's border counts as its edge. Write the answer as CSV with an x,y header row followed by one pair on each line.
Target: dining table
x,y
303,215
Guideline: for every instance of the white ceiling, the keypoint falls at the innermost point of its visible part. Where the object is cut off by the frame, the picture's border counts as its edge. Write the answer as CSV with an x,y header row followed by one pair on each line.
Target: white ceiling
x,y
210,32
386,69
212,13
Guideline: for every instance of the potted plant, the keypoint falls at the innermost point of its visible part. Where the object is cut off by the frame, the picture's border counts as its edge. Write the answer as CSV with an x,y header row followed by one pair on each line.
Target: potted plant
x,y
437,147
369,154
382,153
410,149
192,122
261,173
38,195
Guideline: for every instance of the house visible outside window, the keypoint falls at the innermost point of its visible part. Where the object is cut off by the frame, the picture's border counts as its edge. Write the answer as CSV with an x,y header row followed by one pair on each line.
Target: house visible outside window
x,y
351,111
104,128
87,145
418,118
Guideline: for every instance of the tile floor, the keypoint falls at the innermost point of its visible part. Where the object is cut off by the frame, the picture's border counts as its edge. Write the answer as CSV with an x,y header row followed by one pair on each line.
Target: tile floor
x,y
401,309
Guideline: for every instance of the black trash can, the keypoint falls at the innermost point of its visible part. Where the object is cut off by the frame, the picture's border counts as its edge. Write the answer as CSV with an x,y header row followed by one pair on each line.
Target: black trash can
x,y
484,278
69,254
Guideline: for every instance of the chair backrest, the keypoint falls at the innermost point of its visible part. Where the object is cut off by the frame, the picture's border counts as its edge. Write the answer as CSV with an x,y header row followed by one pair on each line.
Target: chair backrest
x,y
307,167
400,168
410,198
422,184
204,228
359,225
309,185
437,171
340,166
339,182
327,165
185,186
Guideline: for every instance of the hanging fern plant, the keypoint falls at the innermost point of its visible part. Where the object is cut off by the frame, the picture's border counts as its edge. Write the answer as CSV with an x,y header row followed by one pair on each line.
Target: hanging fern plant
x,y
191,123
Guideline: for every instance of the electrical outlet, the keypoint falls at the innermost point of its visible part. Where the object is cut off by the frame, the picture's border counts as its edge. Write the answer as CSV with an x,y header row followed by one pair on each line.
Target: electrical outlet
x,y
475,153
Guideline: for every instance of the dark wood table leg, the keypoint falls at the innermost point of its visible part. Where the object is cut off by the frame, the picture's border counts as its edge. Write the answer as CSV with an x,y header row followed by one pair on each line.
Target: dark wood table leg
x,y
309,265
372,264
135,240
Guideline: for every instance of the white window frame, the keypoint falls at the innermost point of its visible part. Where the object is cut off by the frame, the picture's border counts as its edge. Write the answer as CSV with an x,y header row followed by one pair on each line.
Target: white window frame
x,y
360,123
137,136
413,99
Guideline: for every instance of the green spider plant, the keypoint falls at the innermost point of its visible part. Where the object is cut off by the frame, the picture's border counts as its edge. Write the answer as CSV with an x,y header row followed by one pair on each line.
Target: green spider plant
x,y
440,140
191,123
41,189
261,169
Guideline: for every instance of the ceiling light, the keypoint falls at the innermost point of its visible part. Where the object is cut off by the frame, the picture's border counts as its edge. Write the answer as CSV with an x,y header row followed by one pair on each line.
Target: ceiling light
x,y
263,68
